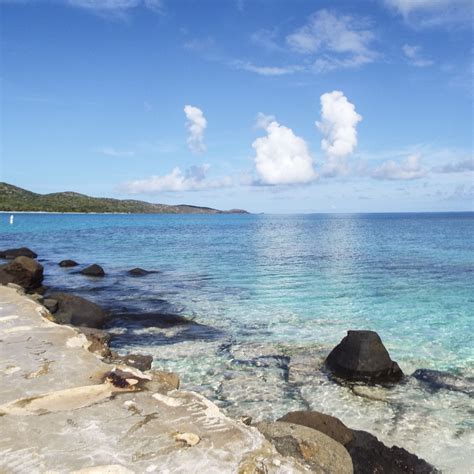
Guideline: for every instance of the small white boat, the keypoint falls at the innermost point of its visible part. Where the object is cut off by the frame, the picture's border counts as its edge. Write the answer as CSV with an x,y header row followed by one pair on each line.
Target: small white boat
x,y
11,219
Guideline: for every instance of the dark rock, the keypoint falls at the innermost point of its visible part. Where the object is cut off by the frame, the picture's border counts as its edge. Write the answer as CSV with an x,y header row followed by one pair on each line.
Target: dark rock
x,y
329,425
437,380
23,271
362,356
68,263
77,311
93,270
369,455
139,361
21,252
51,305
139,272
99,341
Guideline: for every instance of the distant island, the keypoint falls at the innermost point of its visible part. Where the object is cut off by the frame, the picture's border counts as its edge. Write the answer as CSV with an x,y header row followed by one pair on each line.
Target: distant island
x,y
15,199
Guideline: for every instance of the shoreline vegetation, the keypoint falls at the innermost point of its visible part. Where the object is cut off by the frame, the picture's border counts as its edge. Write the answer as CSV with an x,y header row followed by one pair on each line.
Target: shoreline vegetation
x,y
70,388
15,199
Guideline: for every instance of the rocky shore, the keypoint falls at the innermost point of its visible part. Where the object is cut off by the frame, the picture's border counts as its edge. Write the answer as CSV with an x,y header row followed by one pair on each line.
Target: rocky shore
x,y
70,404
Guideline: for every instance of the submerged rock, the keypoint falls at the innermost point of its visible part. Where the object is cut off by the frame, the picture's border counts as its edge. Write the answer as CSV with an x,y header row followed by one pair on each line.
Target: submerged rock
x,y
314,449
93,270
362,356
68,263
20,252
368,454
23,271
437,380
139,272
77,311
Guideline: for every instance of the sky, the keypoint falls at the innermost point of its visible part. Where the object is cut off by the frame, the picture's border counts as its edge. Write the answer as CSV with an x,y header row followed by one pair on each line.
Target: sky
x,y
267,105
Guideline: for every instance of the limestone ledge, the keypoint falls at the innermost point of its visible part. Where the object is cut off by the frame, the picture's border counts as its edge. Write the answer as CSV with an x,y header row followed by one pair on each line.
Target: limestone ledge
x,y
62,409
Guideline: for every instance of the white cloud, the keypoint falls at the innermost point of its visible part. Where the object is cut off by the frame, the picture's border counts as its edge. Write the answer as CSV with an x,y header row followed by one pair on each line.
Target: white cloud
x,y
266,70
456,167
408,169
338,126
194,179
115,7
429,13
282,157
413,54
264,120
340,41
110,151
196,124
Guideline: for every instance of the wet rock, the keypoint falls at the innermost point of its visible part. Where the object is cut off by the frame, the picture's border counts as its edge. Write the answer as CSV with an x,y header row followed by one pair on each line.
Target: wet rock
x,y
369,455
51,305
93,270
68,263
362,356
23,271
438,380
139,272
139,361
314,449
99,341
78,311
20,252
329,425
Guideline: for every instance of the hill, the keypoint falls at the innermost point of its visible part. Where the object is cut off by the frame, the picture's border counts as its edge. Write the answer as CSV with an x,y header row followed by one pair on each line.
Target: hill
x,y
13,198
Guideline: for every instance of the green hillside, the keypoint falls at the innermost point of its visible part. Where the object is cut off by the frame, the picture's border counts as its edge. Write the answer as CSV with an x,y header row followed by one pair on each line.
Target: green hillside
x,y
13,198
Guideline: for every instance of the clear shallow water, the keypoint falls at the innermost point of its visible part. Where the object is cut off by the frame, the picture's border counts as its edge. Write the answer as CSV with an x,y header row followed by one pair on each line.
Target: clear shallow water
x,y
277,292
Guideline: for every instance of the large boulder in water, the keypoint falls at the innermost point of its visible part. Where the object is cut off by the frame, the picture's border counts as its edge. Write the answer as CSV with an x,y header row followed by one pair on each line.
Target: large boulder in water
x,y
368,454
362,356
23,271
93,270
77,311
20,252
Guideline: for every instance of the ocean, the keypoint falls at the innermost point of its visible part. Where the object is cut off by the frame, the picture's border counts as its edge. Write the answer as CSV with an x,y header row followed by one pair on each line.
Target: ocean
x,y
273,294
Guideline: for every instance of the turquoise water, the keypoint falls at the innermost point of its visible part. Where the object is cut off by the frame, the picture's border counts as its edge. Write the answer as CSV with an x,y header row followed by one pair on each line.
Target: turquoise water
x,y
277,292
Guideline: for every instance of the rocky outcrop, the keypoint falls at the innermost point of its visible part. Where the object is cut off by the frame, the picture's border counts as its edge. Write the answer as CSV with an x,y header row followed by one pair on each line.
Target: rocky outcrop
x,y
318,452
63,410
23,271
93,270
361,356
20,252
68,263
368,454
77,311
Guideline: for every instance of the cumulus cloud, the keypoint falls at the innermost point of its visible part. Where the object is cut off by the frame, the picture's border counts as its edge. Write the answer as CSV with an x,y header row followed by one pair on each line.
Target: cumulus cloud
x,y
196,123
456,167
340,41
407,169
427,13
414,56
338,126
281,156
193,179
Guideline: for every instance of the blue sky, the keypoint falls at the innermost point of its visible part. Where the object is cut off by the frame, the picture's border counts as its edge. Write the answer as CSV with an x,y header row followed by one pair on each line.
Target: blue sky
x,y
271,106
